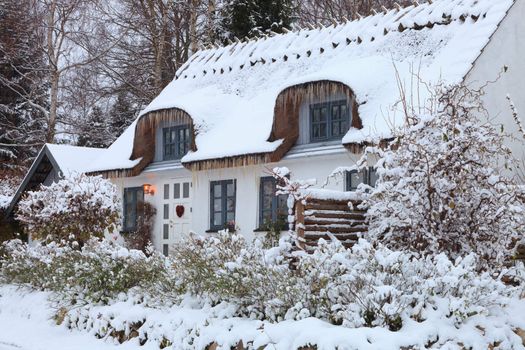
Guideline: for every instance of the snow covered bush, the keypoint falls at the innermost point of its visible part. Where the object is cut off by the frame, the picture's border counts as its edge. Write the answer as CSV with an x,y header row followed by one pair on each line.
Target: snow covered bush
x,y
445,185
142,238
228,268
96,273
368,286
73,209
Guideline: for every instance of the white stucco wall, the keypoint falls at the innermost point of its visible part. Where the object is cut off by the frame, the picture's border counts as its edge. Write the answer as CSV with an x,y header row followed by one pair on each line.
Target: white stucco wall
x,y
301,166
506,48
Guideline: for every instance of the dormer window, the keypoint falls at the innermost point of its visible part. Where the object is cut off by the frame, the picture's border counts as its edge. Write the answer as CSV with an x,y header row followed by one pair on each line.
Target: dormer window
x,y
175,142
329,120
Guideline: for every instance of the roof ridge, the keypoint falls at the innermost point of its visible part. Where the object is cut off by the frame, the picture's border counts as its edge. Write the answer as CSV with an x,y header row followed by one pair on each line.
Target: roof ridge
x,y
396,23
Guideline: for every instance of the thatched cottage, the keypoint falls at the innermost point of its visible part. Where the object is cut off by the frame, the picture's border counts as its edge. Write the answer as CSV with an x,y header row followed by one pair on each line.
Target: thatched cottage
x,y
308,100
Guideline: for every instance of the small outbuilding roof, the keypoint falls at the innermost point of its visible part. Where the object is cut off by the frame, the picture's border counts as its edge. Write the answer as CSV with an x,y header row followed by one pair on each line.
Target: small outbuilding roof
x,y
62,159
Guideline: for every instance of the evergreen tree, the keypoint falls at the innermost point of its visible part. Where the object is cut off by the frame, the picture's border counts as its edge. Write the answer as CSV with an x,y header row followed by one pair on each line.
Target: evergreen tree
x,y
243,18
122,114
95,131
23,87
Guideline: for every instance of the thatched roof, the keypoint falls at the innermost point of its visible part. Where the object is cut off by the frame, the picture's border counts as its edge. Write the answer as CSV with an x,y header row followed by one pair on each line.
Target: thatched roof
x,y
231,92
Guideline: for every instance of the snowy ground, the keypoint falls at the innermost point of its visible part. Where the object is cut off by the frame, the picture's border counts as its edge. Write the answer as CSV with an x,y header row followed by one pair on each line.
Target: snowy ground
x,y
26,324
22,327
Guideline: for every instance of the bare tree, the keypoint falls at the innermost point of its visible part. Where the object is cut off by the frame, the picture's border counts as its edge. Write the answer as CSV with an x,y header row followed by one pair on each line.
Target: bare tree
x,y
325,11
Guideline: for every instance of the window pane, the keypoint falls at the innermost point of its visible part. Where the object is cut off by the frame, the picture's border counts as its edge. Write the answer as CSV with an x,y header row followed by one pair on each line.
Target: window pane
x,y
186,190
268,187
230,204
315,131
166,211
344,111
336,112
373,176
267,202
336,128
322,130
166,231
315,116
217,190
282,205
167,191
230,216
344,127
217,219
217,205
324,114
354,179
165,249
176,191
230,189
167,151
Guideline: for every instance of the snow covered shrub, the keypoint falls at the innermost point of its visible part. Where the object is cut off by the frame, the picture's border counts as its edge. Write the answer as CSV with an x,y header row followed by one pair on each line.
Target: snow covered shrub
x,y
444,185
96,273
73,209
228,268
368,286
142,237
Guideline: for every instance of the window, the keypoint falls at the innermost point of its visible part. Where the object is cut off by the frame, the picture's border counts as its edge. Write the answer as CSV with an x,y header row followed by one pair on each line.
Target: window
x,y
165,249
186,190
354,178
166,231
273,209
222,203
133,207
176,191
167,191
175,142
166,215
329,120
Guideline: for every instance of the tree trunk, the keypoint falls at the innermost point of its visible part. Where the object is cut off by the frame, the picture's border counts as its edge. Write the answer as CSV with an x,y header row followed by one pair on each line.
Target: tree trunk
x,y
54,75
193,27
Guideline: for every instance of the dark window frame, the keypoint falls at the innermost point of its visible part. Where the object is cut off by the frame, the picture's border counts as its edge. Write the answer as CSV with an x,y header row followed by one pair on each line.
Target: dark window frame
x,y
224,203
175,148
274,207
136,192
367,177
330,120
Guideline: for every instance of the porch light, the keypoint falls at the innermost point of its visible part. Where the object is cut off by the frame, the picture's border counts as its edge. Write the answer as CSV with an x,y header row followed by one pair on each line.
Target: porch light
x,y
148,189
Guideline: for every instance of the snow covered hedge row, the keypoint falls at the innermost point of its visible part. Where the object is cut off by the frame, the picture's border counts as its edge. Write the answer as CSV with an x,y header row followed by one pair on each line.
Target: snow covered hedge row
x,y
229,281
99,272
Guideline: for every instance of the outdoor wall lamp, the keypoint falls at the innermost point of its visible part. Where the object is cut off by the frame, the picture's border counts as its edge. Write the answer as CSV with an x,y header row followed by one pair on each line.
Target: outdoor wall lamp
x,y
148,189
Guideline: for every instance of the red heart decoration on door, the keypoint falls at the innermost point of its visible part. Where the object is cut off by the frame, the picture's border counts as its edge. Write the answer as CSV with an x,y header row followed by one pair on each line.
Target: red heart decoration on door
x,y
179,209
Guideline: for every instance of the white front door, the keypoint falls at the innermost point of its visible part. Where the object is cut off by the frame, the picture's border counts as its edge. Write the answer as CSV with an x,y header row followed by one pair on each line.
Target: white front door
x,y
176,211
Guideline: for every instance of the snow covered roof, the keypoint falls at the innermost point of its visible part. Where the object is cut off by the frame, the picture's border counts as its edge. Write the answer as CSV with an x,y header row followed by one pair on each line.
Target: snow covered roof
x,y
63,159
230,91
73,159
